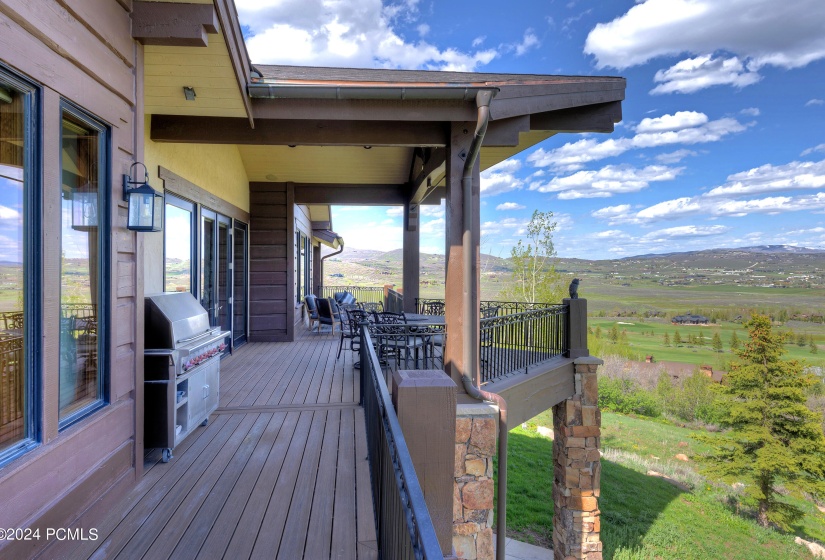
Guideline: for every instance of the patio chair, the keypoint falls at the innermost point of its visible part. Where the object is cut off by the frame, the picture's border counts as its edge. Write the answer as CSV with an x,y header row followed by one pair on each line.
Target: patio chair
x,y
328,313
371,306
396,339
351,320
432,308
311,310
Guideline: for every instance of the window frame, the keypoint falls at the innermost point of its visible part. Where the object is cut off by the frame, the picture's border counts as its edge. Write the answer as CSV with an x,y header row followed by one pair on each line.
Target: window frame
x,y
194,239
32,267
104,275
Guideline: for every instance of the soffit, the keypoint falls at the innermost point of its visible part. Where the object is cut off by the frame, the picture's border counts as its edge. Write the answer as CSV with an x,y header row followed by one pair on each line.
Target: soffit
x,y
207,69
327,164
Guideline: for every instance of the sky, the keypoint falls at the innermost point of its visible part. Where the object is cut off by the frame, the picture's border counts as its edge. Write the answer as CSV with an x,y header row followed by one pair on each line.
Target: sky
x,y
722,142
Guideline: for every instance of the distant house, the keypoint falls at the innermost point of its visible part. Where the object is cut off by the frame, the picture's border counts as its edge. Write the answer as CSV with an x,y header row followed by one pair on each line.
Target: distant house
x,y
690,319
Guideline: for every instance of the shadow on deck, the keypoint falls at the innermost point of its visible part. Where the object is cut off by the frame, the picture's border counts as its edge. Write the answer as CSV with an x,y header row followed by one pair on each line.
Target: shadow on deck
x,y
281,470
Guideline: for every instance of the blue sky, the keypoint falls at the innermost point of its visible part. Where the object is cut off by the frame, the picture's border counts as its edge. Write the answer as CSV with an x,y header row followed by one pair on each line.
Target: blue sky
x,y
722,142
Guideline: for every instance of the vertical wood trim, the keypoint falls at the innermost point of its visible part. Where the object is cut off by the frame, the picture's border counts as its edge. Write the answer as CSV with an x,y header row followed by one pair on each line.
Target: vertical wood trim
x,y
411,262
139,275
51,179
317,270
290,259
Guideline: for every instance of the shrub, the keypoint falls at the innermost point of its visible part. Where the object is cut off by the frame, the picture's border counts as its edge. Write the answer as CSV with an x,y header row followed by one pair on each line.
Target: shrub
x,y
625,396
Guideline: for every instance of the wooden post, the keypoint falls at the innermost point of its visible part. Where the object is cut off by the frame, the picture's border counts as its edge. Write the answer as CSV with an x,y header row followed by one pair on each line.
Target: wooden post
x,y
577,328
317,270
461,134
411,266
425,402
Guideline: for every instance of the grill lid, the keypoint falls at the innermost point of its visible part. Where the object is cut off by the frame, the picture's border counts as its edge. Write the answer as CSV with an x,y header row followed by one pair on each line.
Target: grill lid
x,y
174,320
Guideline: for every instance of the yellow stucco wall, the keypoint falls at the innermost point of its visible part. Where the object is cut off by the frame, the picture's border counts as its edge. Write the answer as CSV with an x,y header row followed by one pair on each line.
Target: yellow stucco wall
x,y
213,167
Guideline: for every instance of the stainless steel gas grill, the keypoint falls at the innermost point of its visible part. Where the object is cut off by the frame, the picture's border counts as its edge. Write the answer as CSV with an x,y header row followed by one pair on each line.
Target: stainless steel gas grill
x,y
181,369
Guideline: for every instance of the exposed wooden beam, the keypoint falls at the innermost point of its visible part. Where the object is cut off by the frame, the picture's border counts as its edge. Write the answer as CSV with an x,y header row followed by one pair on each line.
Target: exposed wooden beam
x,y
321,225
308,193
592,118
434,167
285,132
516,106
173,24
505,132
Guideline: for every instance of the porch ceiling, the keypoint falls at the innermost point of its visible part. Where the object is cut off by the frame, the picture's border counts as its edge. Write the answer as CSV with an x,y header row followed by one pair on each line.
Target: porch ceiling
x,y
327,164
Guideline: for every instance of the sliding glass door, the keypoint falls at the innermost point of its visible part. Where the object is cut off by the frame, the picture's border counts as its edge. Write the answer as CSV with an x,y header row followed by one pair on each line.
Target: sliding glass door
x,y
240,265
216,268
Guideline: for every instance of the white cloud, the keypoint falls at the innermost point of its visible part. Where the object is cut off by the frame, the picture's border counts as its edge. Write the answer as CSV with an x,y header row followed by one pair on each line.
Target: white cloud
x,y
359,33
809,151
610,234
679,120
764,33
611,212
501,178
9,214
478,41
756,33
434,211
433,227
395,211
812,102
423,29
675,157
510,206
668,209
507,226
751,111
528,43
684,231
683,127
607,181
773,178
693,74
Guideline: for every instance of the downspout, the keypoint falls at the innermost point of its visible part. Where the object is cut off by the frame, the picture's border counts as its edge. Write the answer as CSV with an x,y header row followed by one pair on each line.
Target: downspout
x,y
325,257
471,319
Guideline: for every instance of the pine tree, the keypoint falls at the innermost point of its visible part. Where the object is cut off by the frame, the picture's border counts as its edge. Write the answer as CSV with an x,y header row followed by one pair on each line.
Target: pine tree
x,y
624,336
734,342
666,340
717,342
773,437
812,345
700,339
614,334
598,331
677,340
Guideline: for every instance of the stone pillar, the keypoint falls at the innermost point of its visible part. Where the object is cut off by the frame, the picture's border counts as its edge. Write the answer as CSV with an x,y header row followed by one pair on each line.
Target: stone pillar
x,y
577,468
475,447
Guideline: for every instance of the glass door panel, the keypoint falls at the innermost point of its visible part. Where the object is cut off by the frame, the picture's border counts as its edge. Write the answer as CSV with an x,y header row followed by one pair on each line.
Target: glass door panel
x,y
208,278
239,291
223,311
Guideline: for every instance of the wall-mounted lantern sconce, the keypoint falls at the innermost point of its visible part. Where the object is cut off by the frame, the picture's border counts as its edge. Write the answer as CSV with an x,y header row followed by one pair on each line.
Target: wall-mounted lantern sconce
x,y
145,203
189,93
84,208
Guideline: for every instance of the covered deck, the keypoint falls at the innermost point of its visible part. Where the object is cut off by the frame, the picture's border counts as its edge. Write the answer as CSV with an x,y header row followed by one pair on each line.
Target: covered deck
x,y
280,471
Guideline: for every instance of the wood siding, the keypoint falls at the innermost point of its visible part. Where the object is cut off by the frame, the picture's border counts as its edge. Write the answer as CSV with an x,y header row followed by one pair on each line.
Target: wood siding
x,y
271,257
80,51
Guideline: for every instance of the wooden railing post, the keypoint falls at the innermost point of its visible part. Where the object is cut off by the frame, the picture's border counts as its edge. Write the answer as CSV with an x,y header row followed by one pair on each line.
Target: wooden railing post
x,y
425,402
576,328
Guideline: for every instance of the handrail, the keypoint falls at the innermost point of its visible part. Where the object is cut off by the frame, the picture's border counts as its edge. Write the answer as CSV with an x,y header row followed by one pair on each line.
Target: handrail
x,y
373,294
404,528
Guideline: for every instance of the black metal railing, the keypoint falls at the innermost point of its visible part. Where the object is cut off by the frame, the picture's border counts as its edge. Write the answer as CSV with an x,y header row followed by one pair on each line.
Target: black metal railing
x,y
404,528
430,306
371,294
513,342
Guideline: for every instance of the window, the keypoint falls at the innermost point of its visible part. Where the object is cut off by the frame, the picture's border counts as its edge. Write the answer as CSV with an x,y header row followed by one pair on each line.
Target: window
x,y
178,245
303,266
19,271
83,283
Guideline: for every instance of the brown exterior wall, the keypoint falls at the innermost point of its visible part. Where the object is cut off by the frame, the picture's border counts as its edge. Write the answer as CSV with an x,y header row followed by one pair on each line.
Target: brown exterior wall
x,y
50,43
271,257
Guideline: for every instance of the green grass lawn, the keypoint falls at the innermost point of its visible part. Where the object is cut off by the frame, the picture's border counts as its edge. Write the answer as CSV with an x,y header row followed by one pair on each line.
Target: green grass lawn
x,y
641,341
645,517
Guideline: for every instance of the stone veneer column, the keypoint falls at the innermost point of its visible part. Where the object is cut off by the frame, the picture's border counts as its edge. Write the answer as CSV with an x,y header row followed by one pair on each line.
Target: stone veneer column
x,y
475,447
577,468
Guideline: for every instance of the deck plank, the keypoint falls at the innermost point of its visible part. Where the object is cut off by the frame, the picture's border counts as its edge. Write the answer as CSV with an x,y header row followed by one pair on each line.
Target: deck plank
x,y
344,534
295,530
367,544
323,499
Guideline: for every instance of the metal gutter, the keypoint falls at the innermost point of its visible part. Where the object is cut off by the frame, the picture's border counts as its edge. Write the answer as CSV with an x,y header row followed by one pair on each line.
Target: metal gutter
x,y
457,92
471,318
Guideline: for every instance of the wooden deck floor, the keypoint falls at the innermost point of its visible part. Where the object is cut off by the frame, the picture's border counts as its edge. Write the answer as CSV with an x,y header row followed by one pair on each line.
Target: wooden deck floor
x,y
279,472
